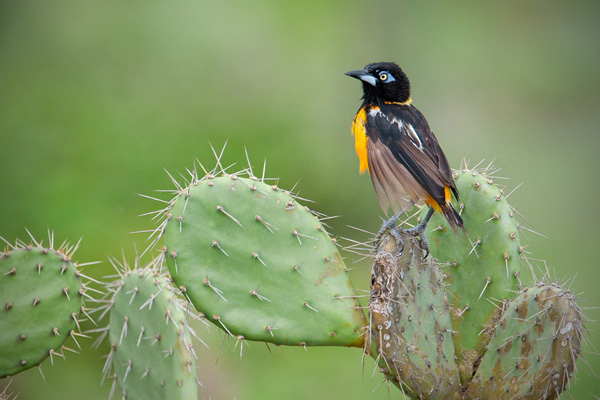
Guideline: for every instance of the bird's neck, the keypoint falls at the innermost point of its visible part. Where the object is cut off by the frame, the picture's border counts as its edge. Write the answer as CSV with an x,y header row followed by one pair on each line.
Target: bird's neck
x,y
370,95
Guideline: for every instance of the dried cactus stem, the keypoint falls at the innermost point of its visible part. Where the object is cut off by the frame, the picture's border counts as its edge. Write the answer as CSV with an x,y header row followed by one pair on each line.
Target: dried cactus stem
x,y
410,319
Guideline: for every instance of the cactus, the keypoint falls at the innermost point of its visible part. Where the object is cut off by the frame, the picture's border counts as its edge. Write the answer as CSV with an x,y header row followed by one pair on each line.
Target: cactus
x,y
41,294
523,348
151,347
259,265
486,269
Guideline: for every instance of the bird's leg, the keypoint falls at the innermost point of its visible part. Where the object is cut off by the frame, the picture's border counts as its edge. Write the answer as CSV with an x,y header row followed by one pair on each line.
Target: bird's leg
x,y
420,230
390,225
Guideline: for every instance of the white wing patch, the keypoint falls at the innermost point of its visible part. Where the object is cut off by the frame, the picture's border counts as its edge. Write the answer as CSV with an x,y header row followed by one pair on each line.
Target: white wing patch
x,y
373,112
407,128
414,138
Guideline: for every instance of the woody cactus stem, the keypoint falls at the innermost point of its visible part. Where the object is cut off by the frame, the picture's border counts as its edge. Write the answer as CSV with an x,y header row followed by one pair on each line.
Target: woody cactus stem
x,y
411,320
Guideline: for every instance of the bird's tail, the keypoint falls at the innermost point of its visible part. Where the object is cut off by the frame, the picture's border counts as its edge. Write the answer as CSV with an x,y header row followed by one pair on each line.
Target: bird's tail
x,y
453,217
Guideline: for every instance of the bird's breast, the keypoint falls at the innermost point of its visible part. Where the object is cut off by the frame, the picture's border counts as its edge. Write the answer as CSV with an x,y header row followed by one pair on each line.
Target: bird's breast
x,y
361,139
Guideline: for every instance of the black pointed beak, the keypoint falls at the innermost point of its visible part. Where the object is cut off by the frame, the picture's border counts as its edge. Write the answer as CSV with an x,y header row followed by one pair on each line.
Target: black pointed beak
x,y
356,74
362,75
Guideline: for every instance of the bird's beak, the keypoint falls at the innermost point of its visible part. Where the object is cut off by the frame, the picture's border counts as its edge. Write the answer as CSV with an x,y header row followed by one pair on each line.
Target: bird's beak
x,y
363,76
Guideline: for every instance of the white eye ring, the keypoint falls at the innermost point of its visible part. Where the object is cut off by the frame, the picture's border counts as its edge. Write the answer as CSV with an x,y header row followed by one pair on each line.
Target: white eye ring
x,y
383,77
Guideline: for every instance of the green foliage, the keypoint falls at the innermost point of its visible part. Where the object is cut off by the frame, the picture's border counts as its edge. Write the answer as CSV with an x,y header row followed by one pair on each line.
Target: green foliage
x,y
151,347
41,295
487,269
259,265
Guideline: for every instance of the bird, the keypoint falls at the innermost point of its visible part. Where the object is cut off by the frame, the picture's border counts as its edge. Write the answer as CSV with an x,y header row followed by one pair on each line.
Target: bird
x,y
395,144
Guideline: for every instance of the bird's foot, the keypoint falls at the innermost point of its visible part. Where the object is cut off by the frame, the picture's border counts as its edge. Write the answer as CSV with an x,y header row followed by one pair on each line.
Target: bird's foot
x,y
390,225
420,231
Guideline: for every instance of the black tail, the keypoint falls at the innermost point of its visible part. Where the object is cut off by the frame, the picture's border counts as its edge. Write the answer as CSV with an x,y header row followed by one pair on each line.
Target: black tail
x,y
453,217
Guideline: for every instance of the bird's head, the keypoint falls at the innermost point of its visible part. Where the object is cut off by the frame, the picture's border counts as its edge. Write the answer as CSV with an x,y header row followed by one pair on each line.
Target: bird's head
x,y
383,81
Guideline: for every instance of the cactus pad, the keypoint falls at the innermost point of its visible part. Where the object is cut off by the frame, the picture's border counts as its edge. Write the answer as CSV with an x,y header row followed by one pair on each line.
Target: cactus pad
x,y
41,295
486,269
259,265
534,347
151,347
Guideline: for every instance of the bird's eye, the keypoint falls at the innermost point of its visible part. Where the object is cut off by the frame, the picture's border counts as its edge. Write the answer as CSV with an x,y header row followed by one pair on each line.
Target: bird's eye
x,y
383,76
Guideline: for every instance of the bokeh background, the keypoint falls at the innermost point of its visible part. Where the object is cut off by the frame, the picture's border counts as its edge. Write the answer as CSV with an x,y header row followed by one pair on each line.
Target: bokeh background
x,y
97,97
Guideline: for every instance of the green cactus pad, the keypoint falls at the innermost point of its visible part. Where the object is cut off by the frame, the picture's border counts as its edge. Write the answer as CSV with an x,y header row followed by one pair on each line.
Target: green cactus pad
x,y
411,323
534,347
259,265
151,350
488,269
41,296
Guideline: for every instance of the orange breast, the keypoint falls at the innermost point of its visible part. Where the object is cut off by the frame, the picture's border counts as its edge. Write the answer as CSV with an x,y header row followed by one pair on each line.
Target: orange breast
x,y
359,131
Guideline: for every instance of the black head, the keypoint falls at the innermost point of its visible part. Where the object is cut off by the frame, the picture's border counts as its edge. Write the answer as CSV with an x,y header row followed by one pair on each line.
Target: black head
x,y
384,81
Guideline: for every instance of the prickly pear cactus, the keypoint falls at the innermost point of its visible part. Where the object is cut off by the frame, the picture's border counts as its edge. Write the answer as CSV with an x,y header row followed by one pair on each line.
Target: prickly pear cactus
x,y
486,269
41,295
509,341
151,347
259,265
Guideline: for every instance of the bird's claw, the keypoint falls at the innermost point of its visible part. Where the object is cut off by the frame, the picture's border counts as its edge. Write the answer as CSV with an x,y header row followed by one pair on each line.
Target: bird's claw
x,y
419,230
391,227
396,235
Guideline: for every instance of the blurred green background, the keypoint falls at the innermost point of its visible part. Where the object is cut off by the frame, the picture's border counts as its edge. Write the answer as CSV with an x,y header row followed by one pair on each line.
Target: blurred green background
x,y
97,97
